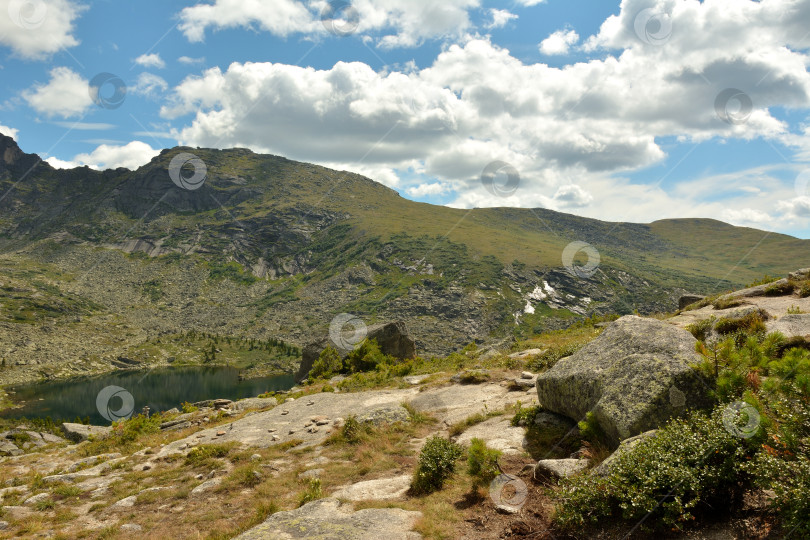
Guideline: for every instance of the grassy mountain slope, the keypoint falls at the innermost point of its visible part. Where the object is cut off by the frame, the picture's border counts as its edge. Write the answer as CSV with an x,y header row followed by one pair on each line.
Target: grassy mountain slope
x,y
270,247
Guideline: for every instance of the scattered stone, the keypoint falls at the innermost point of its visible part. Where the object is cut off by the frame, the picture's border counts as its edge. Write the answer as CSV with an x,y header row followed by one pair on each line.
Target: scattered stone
x,y
50,438
285,413
415,379
3,525
312,473
507,509
81,432
554,469
329,519
9,449
220,433
291,432
127,502
206,486
625,376
131,527
522,355
376,490
527,375
272,430
36,498
199,476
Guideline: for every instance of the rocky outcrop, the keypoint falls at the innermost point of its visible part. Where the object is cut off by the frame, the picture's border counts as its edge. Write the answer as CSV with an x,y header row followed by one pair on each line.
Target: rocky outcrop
x,y
329,519
688,300
792,325
81,432
633,378
393,339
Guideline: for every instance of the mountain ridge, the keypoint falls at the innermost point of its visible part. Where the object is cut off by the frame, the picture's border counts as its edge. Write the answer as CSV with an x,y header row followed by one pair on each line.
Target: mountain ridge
x,y
271,247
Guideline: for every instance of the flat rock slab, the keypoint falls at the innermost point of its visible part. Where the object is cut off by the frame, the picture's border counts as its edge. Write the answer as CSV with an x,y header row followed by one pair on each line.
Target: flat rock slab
x,y
293,420
381,489
451,404
499,434
329,519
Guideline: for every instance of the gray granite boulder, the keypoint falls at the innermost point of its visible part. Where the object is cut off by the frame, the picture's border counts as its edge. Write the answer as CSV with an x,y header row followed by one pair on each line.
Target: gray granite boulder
x,y
627,377
81,432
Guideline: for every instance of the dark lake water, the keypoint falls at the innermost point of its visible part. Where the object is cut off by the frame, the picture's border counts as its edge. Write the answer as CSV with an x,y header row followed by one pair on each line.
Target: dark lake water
x,y
159,389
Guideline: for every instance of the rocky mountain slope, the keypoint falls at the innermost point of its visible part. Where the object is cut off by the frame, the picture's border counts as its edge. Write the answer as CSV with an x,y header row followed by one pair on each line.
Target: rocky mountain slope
x,y
97,266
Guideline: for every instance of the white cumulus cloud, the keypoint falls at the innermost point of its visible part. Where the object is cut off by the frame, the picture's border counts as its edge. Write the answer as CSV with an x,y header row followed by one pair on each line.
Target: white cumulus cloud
x,y
66,94
37,29
151,60
131,156
559,42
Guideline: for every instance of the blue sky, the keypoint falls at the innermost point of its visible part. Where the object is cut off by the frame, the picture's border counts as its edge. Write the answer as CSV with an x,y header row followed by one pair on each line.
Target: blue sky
x,y
604,109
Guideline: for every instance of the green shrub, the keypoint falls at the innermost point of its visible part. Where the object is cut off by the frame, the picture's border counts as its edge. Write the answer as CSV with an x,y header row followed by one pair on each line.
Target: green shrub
x,y
701,329
327,365
790,481
779,289
352,430
189,408
437,461
804,289
206,452
548,358
525,417
750,323
366,357
726,303
482,463
691,465
313,492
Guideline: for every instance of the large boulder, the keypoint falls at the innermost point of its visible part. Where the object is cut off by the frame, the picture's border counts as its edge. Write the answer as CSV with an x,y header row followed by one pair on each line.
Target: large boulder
x,y
393,339
688,300
81,432
633,377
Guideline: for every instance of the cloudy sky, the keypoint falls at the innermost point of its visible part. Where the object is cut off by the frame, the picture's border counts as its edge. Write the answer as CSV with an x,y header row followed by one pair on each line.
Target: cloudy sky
x,y
624,111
